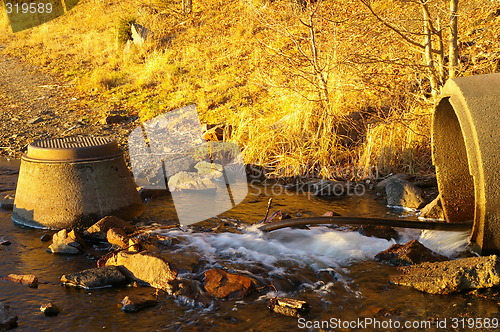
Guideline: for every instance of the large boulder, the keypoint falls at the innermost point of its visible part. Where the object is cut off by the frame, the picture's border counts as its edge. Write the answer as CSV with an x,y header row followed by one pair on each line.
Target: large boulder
x,y
404,194
145,267
219,283
100,277
99,230
8,319
433,210
412,252
451,276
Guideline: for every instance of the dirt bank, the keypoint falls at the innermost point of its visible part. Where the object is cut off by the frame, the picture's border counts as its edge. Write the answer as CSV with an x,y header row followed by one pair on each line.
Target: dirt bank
x,y
34,105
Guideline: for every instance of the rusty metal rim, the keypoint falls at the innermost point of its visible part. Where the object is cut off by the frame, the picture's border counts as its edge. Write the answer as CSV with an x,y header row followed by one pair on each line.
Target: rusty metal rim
x,y
72,150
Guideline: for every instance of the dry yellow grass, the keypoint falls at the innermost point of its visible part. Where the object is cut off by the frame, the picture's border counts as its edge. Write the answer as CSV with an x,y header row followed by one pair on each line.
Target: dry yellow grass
x,y
252,65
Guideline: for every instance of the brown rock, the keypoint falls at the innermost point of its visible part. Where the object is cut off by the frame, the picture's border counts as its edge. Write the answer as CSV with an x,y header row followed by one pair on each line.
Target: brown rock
x,y
145,267
288,307
412,252
26,279
400,176
433,210
106,276
136,303
117,236
8,319
45,237
113,119
403,193
383,232
62,245
7,203
49,309
99,230
451,276
221,284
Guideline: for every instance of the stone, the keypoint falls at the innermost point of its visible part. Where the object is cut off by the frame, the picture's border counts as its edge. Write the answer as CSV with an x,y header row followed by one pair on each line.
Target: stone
x,y
190,181
189,292
107,276
99,230
451,276
209,170
412,252
26,279
403,193
145,267
383,232
8,319
4,242
433,210
220,284
114,119
288,307
136,303
382,184
35,120
140,34
49,309
118,237
7,203
61,244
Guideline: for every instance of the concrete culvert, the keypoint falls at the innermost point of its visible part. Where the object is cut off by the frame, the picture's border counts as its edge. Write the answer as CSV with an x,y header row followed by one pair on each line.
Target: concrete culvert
x,y
465,148
73,182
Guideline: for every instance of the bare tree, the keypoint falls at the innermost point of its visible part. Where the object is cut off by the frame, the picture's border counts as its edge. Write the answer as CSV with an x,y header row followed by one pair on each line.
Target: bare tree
x,y
432,45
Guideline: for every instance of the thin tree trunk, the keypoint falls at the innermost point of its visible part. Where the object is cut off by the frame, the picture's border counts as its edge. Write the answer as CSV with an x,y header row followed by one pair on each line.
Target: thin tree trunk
x,y
453,51
429,59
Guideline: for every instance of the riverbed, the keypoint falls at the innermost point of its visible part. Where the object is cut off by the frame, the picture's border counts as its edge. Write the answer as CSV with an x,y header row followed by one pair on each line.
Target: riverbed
x,y
331,268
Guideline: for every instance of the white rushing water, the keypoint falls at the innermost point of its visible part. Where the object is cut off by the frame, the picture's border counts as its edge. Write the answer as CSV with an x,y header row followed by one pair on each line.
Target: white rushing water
x,y
318,247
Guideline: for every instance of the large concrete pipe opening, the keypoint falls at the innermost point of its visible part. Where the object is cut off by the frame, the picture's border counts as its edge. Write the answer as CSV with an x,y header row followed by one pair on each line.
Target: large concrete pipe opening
x,y
465,146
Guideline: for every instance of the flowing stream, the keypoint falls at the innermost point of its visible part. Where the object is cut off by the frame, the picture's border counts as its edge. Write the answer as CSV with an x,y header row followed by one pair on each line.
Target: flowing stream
x,y
331,268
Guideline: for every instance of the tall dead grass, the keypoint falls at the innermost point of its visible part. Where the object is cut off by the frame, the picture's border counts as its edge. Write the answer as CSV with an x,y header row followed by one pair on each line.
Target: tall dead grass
x,y
250,65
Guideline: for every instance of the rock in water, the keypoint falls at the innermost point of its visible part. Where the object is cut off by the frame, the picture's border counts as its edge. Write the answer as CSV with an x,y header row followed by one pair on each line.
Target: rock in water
x,y
26,279
433,210
451,276
403,193
49,309
136,303
62,244
118,237
288,307
219,283
106,276
145,267
7,203
383,232
99,230
8,319
412,252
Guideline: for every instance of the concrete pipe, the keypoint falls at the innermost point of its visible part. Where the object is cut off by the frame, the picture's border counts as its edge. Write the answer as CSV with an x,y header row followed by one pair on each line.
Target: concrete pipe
x,y
465,149
72,183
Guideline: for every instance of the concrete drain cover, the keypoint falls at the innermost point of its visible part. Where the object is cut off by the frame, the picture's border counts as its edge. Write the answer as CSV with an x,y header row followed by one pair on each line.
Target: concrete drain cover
x,y
72,149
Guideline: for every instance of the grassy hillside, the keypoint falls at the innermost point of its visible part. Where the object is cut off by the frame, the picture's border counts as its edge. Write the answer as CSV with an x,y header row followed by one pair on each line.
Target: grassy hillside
x,y
304,86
